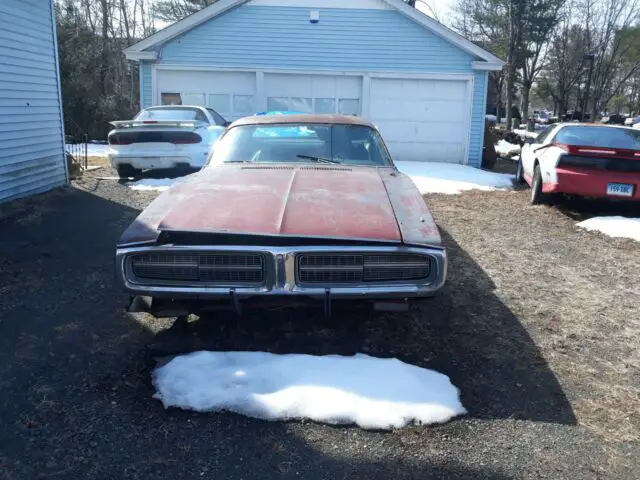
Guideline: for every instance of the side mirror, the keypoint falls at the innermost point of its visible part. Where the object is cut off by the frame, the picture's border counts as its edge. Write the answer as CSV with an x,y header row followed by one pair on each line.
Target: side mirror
x,y
528,141
226,124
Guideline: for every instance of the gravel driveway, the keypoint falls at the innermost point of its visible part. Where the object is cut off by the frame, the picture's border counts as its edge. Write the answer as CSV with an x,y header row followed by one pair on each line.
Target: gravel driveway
x,y
538,325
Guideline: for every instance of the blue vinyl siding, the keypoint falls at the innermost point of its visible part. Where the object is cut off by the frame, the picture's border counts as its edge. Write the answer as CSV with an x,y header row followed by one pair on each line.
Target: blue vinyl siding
x,y
477,119
283,37
146,90
31,128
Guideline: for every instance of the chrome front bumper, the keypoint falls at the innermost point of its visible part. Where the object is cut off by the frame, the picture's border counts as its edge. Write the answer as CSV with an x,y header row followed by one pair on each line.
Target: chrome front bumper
x,y
280,278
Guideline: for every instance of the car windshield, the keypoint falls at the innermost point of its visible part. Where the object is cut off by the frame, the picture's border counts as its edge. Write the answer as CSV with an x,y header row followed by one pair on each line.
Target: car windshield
x,y
594,136
302,143
171,114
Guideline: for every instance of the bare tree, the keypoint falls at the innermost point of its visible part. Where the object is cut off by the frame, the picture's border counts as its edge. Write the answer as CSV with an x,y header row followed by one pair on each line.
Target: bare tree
x,y
606,23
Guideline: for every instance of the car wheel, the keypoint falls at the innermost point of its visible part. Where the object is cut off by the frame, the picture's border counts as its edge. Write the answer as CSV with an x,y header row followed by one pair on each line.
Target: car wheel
x,y
126,171
519,172
537,195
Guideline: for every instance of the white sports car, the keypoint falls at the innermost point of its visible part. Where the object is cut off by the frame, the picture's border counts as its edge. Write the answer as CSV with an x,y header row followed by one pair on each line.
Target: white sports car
x,y
164,137
586,160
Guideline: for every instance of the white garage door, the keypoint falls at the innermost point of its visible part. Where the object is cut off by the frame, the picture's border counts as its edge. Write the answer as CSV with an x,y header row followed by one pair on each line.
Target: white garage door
x,y
422,120
313,93
231,94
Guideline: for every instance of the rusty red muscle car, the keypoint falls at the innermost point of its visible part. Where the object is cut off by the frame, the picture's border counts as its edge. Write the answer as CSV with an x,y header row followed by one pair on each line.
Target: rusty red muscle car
x,y
290,209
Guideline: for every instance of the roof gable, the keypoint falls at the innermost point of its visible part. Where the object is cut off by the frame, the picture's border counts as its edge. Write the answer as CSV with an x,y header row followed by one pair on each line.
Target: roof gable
x,y
141,50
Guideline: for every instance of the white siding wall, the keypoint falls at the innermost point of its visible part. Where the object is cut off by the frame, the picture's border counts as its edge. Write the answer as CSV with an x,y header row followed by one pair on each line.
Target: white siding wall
x,y
31,127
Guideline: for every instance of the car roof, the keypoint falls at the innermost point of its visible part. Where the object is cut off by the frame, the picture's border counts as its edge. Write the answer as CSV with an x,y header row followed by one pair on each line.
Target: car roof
x,y
303,118
156,107
589,124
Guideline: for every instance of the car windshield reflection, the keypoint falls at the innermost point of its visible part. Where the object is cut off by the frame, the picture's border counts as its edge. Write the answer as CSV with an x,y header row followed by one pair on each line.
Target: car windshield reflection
x,y
302,143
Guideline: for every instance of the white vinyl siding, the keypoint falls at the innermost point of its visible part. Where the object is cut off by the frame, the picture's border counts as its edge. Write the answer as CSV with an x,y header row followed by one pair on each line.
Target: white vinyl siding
x,y
31,129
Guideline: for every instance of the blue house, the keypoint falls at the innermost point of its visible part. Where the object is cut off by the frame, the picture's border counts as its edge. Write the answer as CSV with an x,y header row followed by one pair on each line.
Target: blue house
x,y
422,84
32,157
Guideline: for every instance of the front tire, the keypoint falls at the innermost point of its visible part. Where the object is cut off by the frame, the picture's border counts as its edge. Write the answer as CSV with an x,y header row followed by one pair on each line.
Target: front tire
x,y
126,171
520,172
538,197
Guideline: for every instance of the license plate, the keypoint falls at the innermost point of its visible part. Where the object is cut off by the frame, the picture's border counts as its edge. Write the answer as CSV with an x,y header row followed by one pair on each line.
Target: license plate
x,y
620,189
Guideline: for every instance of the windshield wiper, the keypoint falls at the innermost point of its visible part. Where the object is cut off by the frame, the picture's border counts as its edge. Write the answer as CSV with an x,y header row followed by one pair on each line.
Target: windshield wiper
x,y
318,159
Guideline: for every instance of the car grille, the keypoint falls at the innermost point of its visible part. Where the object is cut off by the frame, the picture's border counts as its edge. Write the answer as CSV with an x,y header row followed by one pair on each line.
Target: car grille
x,y
207,268
333,268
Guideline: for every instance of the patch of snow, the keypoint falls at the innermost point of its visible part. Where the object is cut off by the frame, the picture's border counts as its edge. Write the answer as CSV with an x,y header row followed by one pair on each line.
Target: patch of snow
x,y
373,393
491,118
614,226
433,177
506,149
525,133
159,184
93,149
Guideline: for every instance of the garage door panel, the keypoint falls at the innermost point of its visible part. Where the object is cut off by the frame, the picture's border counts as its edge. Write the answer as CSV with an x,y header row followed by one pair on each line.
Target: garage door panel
x,y
418,110
422,119
416,152
231,94
418,131
397,89
313,93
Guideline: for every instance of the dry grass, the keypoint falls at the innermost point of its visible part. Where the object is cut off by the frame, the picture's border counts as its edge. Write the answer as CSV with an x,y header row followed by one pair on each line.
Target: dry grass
x,y
575,292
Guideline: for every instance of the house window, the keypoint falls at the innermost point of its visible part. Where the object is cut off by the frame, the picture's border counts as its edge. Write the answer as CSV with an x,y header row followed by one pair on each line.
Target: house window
x,y
193,99
302,105
170,99
325,105
349,106
220,102
277,104
243,104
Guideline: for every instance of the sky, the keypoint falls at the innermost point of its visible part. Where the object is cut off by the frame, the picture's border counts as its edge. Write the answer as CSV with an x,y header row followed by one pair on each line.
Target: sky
x,y
442,8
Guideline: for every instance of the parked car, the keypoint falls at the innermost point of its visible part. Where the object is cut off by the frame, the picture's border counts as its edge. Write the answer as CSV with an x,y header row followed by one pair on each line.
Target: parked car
x,y
632,120
317,217
598,161
576,117
614,119
164,137
543,118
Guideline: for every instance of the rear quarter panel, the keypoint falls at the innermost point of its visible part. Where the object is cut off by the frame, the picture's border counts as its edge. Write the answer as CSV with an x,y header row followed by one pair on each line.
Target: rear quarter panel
x,y
416,223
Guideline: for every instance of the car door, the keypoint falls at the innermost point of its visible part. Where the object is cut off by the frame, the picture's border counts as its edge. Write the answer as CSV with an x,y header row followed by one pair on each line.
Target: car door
x,y
530,150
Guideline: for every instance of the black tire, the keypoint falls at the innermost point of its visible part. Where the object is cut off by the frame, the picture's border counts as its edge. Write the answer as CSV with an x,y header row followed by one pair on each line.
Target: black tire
x,y
126,171
538,197
519,172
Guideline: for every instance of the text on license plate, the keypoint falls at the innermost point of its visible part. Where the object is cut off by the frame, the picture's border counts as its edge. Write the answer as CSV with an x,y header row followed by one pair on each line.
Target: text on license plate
x,y
620,189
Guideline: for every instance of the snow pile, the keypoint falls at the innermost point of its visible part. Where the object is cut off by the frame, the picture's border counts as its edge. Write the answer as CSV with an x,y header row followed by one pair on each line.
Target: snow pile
x,y
525,133
506,149
93,149
159,184
614,226
432,177
371,392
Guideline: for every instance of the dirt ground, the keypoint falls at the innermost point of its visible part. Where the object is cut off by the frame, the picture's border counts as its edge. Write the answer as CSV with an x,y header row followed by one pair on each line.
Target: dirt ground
x,y
538,325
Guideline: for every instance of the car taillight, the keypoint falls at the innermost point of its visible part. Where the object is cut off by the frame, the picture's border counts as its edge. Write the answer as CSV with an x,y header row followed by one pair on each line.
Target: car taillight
x,y
184,138
578,150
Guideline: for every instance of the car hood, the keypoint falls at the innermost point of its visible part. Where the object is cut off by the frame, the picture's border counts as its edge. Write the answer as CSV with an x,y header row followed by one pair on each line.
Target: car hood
x,y
340,202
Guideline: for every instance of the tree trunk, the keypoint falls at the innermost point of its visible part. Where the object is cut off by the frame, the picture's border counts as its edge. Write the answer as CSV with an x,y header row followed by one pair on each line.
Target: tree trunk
x,y
104,63
526,91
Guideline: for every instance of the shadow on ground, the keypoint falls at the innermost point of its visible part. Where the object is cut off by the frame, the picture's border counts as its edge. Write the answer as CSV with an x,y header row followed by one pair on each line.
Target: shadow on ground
x,y
77,399
465,332
579,209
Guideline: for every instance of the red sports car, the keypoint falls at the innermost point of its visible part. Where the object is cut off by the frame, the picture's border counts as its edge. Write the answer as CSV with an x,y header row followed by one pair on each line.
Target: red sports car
x,y
289,208
586,160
